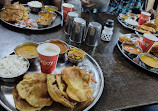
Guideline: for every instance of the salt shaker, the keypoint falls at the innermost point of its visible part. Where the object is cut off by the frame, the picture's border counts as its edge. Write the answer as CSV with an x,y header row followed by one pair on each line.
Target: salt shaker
x,y
108,30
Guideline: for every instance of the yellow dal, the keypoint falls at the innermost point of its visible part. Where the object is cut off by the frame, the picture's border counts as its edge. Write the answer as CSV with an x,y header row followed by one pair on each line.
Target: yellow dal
x,y
149,61
27,51
50,9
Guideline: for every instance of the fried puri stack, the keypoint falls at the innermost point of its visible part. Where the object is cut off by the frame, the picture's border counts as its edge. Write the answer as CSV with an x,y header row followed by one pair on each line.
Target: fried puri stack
x,y
148,28
22,104
33,92
37,90
13,12
56,94
154,49
78,84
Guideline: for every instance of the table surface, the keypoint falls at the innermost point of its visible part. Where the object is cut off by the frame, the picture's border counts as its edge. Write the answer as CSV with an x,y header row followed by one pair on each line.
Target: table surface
x,y
125,85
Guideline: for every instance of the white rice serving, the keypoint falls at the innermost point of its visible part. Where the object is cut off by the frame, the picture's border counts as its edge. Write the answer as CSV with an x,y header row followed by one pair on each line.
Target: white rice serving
x,y
13,66
36,4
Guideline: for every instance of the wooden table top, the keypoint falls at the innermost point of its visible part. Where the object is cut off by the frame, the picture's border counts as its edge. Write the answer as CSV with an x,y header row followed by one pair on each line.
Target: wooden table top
x,y
125,85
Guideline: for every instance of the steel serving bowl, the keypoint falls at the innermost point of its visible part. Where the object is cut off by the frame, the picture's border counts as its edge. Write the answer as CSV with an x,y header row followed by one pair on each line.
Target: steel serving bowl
x,y
53,18
61,55
31,60
122,16
46,6
73,60
144,64
129,54
17,78
43,26
34,9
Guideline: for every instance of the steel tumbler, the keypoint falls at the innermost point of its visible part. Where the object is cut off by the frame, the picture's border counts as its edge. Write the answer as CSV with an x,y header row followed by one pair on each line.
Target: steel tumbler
x,y
69,21
78,30
93,33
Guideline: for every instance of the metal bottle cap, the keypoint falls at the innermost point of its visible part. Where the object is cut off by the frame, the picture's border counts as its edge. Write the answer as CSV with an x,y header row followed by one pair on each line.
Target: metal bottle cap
x,y
69,21
78,30
109,23
93,33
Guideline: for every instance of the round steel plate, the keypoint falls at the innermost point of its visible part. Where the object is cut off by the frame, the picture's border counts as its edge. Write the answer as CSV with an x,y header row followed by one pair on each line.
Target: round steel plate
x,y
88,64
58,21
136,60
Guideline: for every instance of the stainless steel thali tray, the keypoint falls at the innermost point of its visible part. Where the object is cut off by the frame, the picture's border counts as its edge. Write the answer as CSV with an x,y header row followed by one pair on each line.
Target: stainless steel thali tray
x,y
58,21
124,24
135,60
88,64
140,33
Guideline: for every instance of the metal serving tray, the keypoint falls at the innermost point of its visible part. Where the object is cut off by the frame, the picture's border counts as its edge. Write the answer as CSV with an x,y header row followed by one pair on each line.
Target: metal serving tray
x,y
124,24
57,22
88,64
136,60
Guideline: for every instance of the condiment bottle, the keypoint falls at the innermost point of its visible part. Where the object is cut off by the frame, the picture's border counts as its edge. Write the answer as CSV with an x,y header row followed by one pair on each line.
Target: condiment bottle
x,y
108,30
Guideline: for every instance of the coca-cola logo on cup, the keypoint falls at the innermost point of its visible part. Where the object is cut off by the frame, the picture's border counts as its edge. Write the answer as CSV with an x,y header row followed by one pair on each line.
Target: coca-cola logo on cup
x,y
44,62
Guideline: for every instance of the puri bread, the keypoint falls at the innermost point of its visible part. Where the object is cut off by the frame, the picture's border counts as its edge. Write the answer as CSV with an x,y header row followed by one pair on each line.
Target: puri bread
x,y
36,76
15,6
11,15
143,31
61,85
156,21
147,28
56,94
22,104
13,12
78,84
149,24
34,90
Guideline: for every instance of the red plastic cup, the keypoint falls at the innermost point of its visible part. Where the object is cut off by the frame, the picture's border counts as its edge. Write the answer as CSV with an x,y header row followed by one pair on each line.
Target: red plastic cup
x,y
66,9
48,57
144,17
147,42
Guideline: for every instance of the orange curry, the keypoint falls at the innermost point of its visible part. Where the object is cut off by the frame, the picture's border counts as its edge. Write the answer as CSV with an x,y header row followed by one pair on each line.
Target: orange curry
x,y
131,48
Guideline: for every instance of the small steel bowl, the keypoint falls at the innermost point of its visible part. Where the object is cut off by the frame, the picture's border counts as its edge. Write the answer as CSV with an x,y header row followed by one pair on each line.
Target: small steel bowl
x,y
34,9
61,55
144,64
53,18
73,60
31,60
120,15
43,26
130,55
51,7
17,78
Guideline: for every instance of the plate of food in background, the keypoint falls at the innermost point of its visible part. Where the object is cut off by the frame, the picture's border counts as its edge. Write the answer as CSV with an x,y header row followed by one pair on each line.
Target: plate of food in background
x,y
148,27
32,16
128,20
140,50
